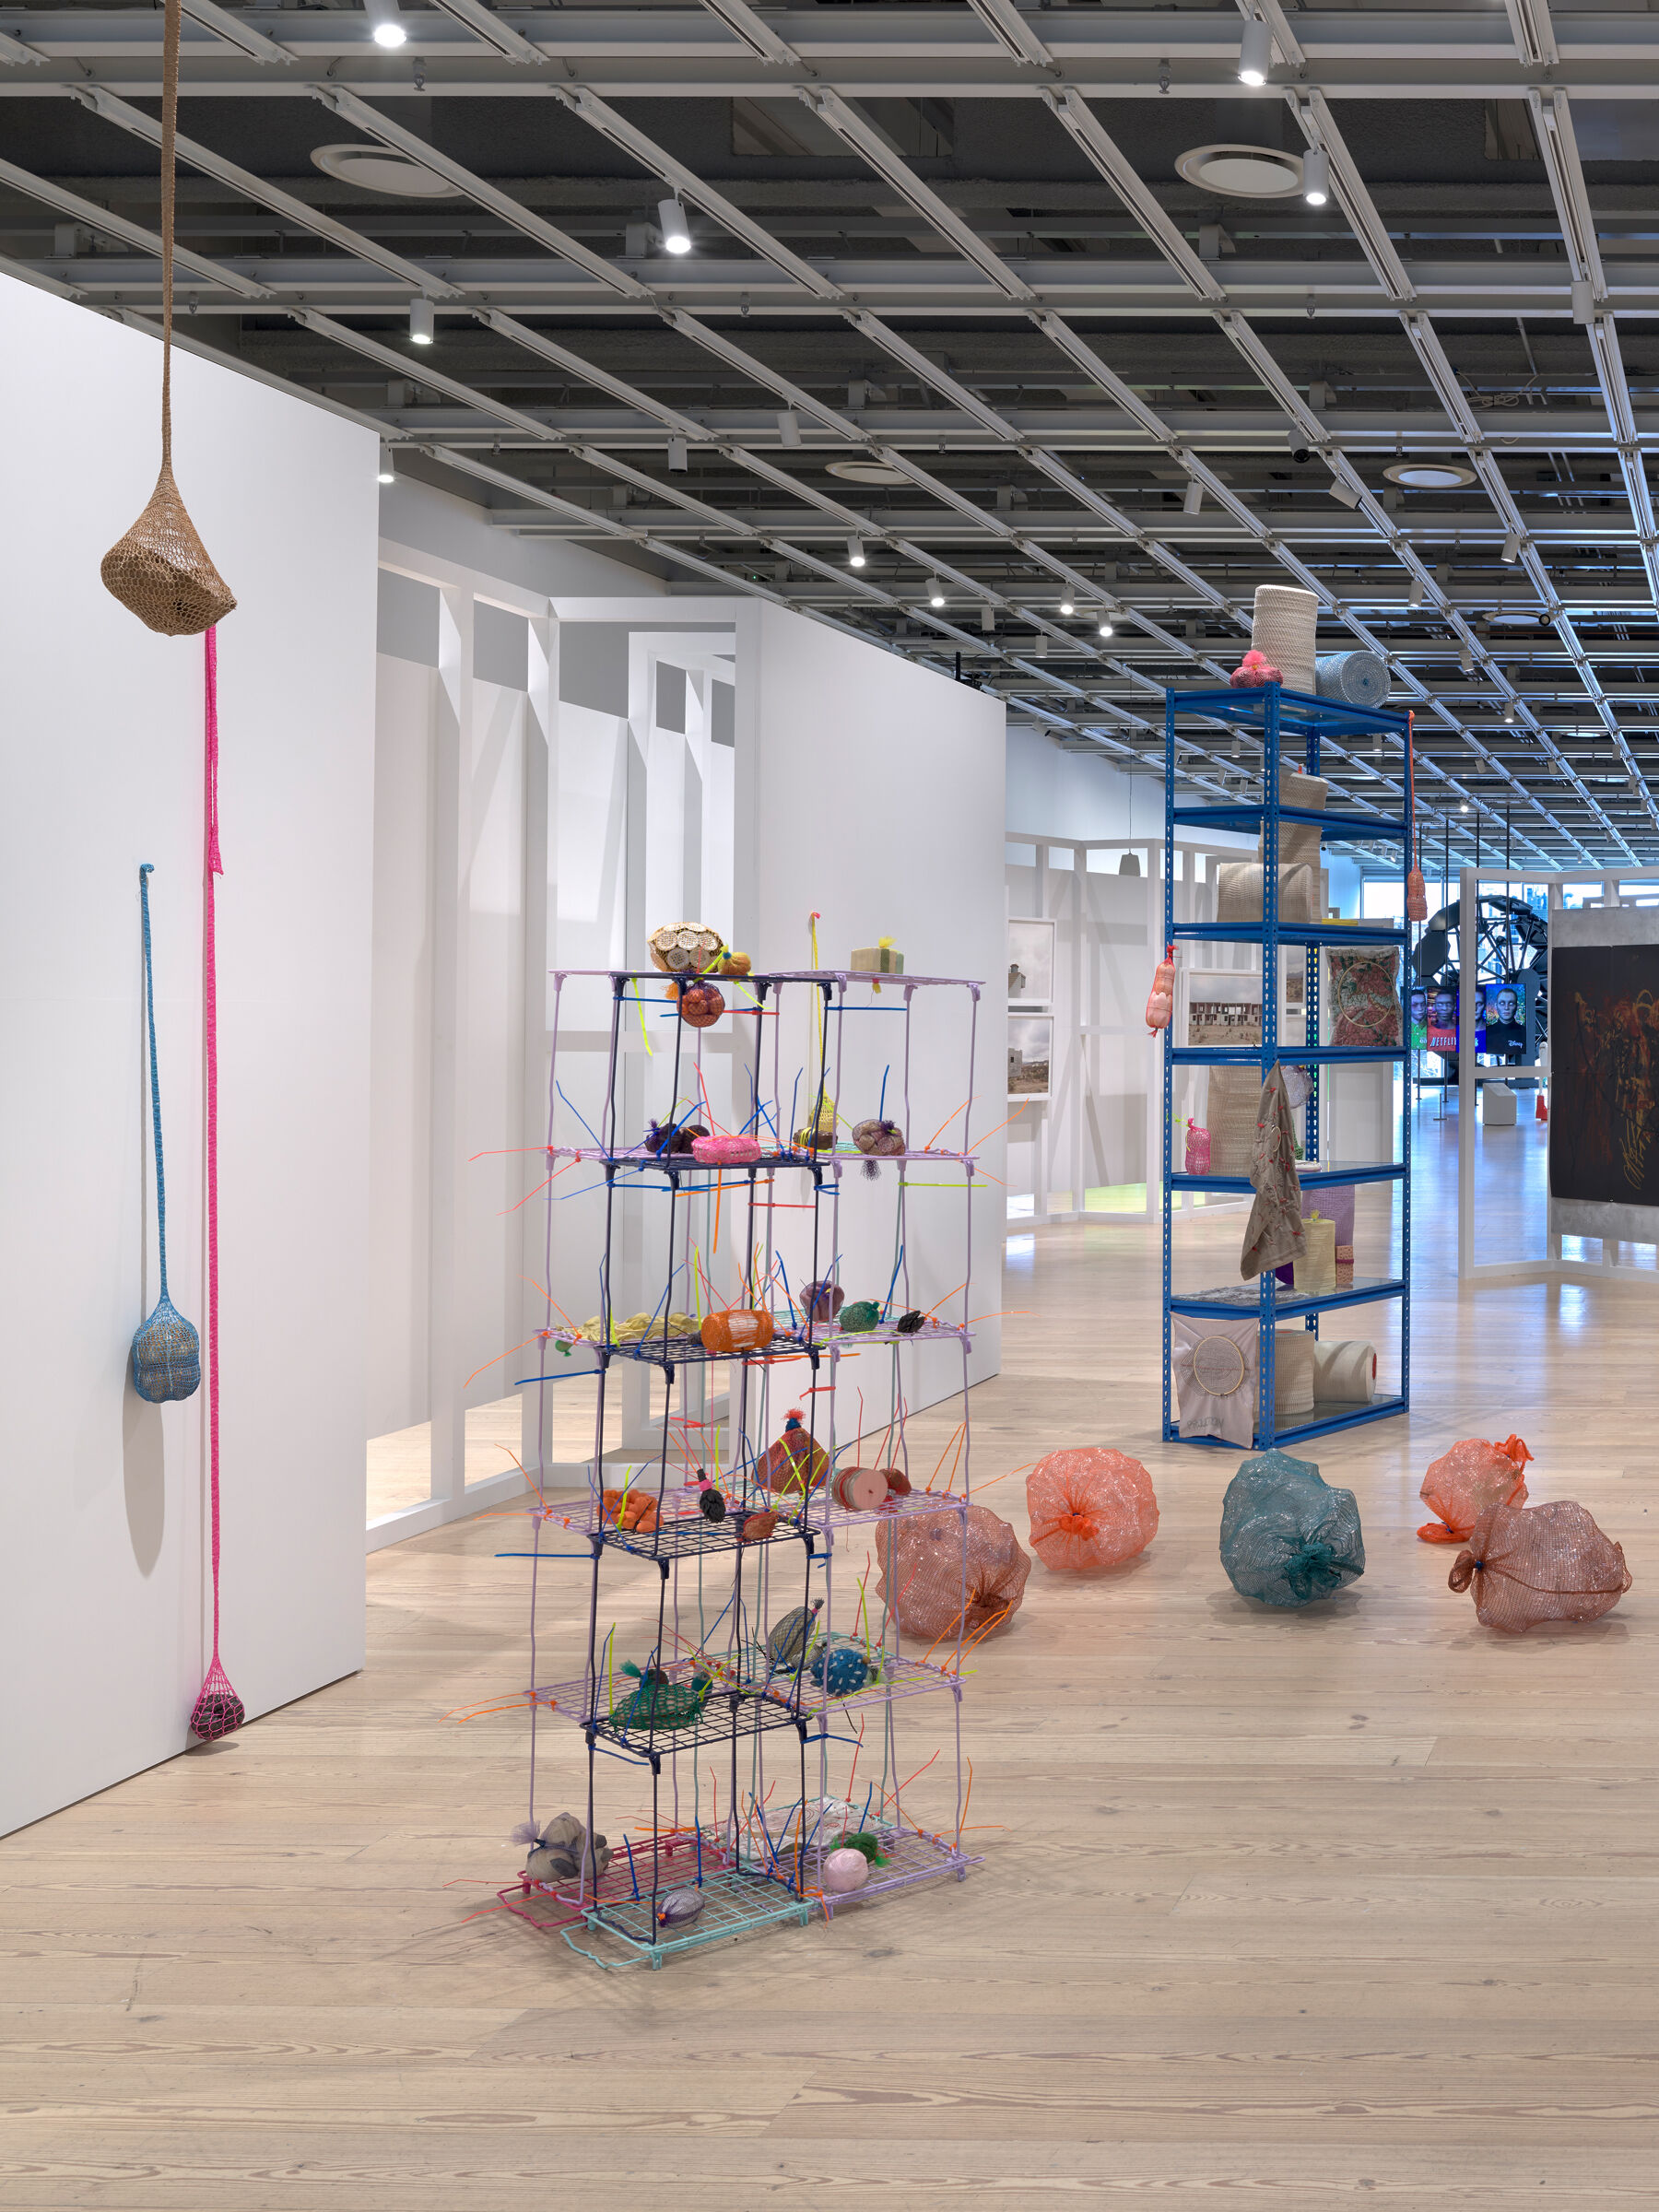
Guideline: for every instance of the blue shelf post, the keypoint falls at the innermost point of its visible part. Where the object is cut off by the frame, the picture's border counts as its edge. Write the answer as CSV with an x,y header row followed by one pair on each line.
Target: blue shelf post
x,y
1276,714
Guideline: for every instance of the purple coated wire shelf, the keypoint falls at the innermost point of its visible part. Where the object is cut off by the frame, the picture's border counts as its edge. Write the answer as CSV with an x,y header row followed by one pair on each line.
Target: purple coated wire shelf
x,y
910,1856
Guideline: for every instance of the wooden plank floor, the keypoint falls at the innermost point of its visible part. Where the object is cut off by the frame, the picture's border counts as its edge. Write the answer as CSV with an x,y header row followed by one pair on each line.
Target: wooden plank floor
x,y
1277,1910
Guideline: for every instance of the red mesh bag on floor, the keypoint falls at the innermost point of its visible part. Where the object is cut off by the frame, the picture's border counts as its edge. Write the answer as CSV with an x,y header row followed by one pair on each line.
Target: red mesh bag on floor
x,y
922,1576
1540,1562
1090,1508
1463,1481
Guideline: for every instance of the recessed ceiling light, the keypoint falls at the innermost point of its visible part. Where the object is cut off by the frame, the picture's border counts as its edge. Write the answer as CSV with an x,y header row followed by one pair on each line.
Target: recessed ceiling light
x,y
1430,476
866,472
378,169
1243,172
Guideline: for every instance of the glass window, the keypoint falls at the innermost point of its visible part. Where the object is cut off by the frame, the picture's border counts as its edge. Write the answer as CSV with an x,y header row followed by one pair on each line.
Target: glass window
x,y
1382,898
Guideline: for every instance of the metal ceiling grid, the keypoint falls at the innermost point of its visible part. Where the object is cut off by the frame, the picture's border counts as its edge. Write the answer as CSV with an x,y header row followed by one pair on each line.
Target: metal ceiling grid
x,y
1415,584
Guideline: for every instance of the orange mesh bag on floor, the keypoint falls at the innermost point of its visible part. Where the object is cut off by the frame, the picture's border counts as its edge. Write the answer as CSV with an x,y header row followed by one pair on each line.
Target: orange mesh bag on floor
x,y
1463,1481
1090,1508
1540,1562
922,1576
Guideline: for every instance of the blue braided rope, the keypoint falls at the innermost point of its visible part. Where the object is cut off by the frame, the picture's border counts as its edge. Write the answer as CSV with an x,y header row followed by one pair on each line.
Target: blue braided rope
x,y
144,874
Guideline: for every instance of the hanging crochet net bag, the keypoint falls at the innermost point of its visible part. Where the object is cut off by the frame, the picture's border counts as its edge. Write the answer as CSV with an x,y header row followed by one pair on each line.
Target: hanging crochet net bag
x,y
1463,1481
1540,1562
1286,1536
167,1352
160,571
934,1591
1090,1508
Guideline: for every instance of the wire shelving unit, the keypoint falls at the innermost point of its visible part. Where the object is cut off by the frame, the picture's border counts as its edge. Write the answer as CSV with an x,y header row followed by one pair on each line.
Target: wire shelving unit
x,y
1290,726
732,1737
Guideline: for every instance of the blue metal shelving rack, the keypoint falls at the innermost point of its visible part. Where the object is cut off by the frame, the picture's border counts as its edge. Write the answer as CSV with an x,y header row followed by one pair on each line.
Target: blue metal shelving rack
x,y
1275,714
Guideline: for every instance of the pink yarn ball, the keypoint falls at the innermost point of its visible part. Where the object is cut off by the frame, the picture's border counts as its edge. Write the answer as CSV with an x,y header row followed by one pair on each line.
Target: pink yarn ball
x,y
845,1870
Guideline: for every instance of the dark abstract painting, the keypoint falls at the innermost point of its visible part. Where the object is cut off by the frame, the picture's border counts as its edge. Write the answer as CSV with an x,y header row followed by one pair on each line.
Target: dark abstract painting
x,y
1603,1108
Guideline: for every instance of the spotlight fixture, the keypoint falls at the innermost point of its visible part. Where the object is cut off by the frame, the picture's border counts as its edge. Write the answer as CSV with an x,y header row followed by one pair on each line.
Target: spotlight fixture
x,y
855,553
1430,476
1416,592
789,427
671,221
1464,807
1255,53
1511,550
385,23
1509,712
1316,176
423,322
1105,630
936,592
1068,607
384,473
678,458
1466,660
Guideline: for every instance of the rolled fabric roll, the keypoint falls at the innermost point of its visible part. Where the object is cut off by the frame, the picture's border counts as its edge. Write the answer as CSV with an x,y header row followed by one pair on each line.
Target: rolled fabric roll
x,y
1356,679
1345,1373
1284,630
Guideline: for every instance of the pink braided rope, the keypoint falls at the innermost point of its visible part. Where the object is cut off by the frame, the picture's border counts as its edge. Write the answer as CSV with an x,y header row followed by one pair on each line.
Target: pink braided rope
x,y
218,1710
212,865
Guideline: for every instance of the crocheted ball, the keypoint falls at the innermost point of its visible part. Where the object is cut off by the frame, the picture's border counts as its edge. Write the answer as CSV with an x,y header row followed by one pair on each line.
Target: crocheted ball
x,y
863,1314
845,1870
840,1668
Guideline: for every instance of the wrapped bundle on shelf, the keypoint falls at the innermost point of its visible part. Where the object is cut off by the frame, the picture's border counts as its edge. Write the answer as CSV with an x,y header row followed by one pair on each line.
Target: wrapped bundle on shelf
x,y
1090,1508
1235,1098
1314,1274
1352,679
1298,841
923,1577
1239,893
1293,1371
1526,1564
1284,630
1286,1536
1462,1483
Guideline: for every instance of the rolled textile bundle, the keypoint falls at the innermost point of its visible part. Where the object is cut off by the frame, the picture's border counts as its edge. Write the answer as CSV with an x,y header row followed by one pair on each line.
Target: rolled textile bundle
x,y
1283,630
1345,1373
1358,678
1298,841
1239,886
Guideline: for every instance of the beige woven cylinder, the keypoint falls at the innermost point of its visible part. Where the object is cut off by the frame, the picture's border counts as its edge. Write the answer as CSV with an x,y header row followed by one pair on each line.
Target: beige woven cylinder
x,y
1345,1373
1285,630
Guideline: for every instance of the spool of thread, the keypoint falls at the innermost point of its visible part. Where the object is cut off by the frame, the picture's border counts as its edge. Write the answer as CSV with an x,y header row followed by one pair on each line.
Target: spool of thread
x,y
1357,679
1285,628
859,1489
1345,1373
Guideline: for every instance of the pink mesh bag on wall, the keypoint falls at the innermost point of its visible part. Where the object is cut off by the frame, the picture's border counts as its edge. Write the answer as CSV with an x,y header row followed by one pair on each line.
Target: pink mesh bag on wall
x,y
1463,1481
1090,1508
1541,1562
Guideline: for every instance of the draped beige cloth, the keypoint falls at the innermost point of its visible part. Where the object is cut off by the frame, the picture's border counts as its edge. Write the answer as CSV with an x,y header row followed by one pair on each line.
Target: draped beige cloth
x,y
1274,1232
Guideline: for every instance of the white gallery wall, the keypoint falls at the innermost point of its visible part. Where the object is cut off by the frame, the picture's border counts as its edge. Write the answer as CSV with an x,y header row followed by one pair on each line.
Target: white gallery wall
x,y
645,758
104,1603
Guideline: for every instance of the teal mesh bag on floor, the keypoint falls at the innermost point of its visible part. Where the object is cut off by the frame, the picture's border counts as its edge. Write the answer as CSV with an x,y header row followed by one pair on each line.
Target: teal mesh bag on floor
x,y
1286,1536
167,1352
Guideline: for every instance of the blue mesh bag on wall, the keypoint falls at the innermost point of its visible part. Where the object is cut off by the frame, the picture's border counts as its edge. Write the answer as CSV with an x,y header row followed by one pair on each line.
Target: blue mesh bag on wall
x,y
1286,1536
167,1352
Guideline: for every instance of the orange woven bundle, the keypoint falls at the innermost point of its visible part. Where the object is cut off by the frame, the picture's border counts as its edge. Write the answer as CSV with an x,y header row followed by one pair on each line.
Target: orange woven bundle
x,y
1542,1562
932,1588
1090,1508
1468,1478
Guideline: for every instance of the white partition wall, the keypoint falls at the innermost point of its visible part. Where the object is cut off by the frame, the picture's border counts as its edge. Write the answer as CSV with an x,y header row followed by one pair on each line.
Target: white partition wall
x,y
661,759
103,1576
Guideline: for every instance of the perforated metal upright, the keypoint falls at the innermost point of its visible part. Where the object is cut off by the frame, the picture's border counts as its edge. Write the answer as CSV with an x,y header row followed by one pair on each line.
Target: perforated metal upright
x,y
1273,713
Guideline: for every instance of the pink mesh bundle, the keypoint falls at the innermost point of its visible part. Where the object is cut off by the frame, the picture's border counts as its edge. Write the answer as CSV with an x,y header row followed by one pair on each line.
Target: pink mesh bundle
x,y
933,1591
1540,1562
1090,1508
1468,1478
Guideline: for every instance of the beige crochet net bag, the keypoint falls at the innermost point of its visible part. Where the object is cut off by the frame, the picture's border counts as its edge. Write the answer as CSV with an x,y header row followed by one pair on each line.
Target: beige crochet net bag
x,y
160,569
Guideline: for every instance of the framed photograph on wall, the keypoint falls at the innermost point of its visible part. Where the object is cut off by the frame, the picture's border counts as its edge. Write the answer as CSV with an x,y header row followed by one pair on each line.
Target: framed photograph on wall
x,y
1030,963
1031,1049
